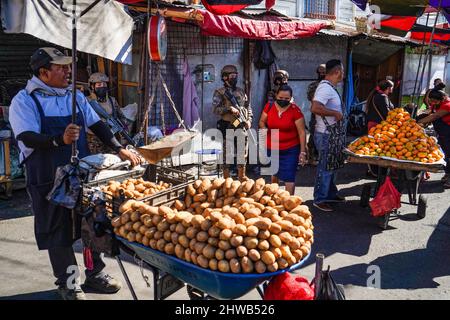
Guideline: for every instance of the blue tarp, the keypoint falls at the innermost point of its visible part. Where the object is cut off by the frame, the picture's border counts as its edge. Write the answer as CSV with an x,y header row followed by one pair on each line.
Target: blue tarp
x,y
350,93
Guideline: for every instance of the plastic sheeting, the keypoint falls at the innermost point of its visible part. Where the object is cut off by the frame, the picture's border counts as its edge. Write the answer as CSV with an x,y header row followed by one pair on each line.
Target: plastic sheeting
x,y
106,30
410,72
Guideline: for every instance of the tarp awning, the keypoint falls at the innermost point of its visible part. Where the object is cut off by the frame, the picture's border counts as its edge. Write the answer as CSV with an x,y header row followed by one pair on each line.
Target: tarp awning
x,y
275,29
106,30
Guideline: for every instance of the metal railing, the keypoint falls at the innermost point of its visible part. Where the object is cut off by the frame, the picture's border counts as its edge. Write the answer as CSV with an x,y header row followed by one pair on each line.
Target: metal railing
x,y
320,9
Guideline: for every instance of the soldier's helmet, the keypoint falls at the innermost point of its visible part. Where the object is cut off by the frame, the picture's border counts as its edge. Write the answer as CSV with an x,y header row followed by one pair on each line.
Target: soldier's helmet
x,y
283,74
98,77
226,70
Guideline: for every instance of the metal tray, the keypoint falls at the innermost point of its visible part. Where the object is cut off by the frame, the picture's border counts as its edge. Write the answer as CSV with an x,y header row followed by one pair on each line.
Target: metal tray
x,y
178,180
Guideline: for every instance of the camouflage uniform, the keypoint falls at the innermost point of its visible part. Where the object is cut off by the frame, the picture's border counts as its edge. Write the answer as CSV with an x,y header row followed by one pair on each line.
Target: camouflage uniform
x,y
221,106
111,106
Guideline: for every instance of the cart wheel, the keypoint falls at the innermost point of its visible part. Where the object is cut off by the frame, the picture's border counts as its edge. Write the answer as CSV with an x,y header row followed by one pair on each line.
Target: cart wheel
x,y
422,206
365,196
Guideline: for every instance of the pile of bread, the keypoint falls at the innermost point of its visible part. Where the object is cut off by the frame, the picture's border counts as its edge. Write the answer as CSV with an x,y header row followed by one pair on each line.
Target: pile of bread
x,y
224,225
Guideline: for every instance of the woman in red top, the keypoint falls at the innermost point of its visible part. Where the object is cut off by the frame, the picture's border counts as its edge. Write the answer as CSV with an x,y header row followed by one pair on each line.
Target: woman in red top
x,y
286,134
440,117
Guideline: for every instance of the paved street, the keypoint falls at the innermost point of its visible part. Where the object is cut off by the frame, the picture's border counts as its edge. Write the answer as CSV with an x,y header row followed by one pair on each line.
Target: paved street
x,y
413,255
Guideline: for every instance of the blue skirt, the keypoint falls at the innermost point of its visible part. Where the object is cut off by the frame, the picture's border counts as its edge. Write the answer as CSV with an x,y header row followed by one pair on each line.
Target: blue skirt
x,y
287,164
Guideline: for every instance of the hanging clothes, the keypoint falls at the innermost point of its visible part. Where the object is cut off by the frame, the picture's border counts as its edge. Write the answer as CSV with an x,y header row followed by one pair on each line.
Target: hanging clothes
x,y
191,101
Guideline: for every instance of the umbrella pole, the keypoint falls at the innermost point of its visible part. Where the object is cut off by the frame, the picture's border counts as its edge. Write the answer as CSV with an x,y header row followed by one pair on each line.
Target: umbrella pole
x,y
74,75
429,52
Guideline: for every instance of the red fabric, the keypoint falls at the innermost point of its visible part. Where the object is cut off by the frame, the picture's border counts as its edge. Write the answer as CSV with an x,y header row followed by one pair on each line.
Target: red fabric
x,y
223,9
398,22
269,4
436,36
231,26
445,105
386,200
130,1
289,287
288,134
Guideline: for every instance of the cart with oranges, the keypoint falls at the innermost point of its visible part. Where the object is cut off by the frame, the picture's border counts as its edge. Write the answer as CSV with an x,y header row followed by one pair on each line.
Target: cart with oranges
x,y
399,148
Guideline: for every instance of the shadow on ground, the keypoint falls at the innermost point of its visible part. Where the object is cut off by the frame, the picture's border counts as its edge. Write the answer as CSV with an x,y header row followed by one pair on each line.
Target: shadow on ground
x,y
414,269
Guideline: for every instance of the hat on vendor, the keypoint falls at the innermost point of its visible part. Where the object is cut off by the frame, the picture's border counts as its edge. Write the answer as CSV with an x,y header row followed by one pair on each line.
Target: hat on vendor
x,y
43,56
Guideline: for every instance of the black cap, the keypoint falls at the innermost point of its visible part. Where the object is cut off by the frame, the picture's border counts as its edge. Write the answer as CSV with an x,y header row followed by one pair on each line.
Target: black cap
x,y
44,56
331,64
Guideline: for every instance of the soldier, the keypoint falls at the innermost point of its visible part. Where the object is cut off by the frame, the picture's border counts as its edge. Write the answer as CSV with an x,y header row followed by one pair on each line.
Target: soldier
x,y
280,77
99,97
229,111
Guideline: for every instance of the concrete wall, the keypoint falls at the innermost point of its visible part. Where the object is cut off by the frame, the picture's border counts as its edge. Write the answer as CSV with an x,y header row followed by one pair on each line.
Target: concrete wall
x,y
300,58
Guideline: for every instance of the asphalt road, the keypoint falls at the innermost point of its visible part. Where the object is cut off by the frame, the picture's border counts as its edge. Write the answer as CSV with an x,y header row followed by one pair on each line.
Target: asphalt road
x,y
409,260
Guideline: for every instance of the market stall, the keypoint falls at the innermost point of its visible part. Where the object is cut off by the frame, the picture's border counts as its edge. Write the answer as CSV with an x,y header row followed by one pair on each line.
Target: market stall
x,y
221,237
401,150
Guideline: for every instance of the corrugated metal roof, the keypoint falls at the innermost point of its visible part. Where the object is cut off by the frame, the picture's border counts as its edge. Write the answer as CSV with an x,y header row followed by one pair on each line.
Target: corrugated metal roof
x,y
15,53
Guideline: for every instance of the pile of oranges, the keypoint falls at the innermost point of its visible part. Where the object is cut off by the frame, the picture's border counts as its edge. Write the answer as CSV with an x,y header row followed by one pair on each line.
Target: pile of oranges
x,y
398,137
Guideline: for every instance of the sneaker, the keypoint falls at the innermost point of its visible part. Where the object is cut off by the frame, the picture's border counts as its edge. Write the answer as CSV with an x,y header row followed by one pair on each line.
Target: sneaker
x,y
103,283
323,207
337,199
71,294
446,184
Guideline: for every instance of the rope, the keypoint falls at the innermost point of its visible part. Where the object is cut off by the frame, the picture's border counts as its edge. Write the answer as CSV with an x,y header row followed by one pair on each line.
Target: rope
x,y
161,105
172,103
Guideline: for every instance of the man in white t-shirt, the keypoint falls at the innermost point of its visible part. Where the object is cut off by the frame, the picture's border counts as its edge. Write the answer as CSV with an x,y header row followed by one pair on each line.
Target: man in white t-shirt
x,y
327,104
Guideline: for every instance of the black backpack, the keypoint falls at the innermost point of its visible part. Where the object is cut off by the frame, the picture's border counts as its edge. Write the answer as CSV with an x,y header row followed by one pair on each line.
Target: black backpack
x,y
263,55
357,123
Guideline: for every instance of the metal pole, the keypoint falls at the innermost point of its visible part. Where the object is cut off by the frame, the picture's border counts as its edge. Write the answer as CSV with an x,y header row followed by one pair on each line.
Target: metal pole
x,y
420,62
127,280
428,52
74,74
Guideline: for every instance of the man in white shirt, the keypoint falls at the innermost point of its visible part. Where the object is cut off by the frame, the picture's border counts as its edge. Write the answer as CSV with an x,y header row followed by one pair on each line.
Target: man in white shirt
x,y
328,110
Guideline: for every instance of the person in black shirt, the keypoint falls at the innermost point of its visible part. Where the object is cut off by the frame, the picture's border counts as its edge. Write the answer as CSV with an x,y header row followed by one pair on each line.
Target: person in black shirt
x,y
378,104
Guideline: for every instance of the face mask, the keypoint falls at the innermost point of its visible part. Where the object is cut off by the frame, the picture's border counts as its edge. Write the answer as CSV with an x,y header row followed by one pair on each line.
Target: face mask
x,y
101,92
283,103
232,82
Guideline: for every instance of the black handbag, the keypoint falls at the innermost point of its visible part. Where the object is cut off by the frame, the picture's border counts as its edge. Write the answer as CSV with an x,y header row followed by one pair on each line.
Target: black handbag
x,y
67,185
328,289
337,139
336,144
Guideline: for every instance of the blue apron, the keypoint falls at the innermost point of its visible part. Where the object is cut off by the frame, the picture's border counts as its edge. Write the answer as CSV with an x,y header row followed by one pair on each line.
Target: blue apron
x,y
53,224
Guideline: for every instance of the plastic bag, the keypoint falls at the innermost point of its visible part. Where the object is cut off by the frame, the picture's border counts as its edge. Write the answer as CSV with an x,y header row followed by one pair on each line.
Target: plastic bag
x,y
386,200
329,290
289,287
67,186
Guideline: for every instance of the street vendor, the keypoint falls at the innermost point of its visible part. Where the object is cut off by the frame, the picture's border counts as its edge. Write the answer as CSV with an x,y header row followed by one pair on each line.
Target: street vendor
x,y
41,120
438,84
378,104
100,98
228,111
440,117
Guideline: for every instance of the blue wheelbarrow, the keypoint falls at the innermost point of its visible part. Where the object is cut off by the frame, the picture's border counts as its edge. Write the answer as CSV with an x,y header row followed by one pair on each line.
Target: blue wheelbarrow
x,y
171,274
